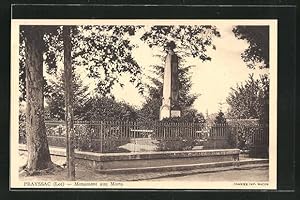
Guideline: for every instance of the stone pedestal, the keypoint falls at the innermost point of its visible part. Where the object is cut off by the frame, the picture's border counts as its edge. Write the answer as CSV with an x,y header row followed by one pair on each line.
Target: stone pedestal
x,y
175,113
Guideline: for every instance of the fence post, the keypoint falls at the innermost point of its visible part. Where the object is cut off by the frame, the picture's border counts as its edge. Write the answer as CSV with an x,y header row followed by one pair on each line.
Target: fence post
x,y
134,136
215,135
59,131
101,136
164,130
236,137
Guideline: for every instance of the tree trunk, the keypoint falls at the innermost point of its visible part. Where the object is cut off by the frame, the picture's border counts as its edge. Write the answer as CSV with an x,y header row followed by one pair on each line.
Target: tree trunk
x,y
37,144
69,116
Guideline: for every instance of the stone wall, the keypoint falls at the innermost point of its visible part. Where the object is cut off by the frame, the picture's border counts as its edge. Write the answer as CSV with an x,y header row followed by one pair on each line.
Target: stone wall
x,y
115,161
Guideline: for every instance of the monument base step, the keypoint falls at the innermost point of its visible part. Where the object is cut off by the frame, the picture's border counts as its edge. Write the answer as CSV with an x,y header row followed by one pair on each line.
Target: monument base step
x,y
203,167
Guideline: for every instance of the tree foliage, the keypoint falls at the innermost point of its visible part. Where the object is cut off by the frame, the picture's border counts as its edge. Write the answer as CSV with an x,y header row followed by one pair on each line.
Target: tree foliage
x,y
151,108
105,51
258,40
190,40
105,108
250,100
220,118
51,47
55,98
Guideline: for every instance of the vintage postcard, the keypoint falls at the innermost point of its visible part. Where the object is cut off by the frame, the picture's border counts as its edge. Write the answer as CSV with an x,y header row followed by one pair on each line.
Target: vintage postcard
x,y
143,104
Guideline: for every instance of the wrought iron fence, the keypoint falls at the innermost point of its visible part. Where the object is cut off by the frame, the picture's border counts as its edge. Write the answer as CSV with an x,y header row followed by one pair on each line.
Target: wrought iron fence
x,y
118,136
107,136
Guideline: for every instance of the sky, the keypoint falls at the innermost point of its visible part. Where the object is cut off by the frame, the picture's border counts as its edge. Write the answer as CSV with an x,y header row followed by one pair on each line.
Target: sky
x,y
212,79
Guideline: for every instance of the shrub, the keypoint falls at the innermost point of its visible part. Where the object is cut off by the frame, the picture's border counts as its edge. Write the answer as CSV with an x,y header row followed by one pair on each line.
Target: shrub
x,y
83,138
242,131
55,130
180,143
88,139
22,128
56,141
232,139
112,140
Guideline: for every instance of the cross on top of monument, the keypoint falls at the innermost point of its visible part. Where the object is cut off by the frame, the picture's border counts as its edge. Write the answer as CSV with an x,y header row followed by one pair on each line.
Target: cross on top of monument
x,y
170,46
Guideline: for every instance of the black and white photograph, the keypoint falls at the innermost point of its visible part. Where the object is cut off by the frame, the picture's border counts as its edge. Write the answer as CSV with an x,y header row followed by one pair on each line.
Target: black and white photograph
x,y
143,104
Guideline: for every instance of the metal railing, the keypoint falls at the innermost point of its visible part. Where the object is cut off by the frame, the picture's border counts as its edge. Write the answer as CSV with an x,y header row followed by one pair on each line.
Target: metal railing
x,y
118,136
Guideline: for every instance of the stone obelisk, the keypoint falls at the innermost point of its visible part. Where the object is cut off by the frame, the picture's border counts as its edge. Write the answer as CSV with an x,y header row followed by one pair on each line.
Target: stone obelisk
x,y
169,107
